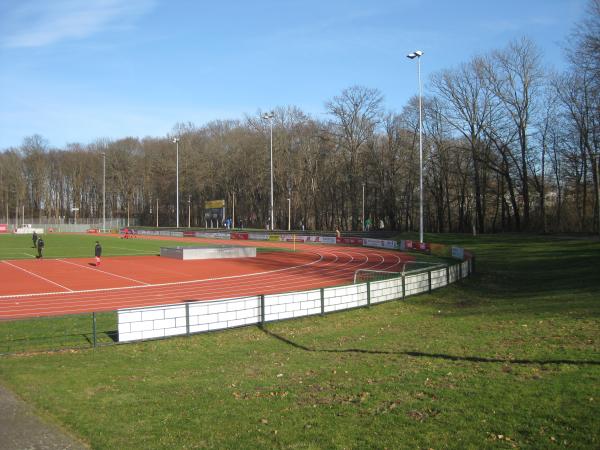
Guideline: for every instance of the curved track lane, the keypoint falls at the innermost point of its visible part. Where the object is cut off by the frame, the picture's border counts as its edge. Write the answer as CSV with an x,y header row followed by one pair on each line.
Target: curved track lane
x,y
68,286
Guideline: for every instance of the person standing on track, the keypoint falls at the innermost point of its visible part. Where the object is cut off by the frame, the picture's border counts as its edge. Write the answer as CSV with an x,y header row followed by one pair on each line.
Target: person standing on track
x,y
98,253
40,248
34,238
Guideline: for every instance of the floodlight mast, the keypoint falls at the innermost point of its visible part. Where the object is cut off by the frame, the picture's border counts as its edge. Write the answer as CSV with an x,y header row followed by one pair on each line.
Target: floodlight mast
x,y
176,142
104,192
417,54
269,116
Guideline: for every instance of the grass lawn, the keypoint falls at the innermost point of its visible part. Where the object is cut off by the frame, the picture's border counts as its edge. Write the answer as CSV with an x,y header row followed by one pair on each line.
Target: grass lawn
x,y
509,358
59,245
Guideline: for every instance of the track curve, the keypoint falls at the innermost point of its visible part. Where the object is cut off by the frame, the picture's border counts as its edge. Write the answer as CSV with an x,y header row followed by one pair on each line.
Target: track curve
x,y
59,287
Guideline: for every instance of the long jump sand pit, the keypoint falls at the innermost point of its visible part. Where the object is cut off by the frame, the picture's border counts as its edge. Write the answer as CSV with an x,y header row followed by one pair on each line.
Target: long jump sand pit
x,y
213,252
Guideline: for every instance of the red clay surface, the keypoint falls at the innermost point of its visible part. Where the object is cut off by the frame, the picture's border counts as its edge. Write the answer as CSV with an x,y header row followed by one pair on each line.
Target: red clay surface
x,y
32,288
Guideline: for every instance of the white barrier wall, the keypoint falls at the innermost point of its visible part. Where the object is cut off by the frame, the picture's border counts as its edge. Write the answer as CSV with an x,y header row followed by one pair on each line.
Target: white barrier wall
x,y
383,291
151,322
345,297
220,314
294,304
438,278
195,317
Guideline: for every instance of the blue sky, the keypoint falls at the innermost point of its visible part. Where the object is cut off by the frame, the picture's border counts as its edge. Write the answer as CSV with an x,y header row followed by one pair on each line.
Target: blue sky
x,y
79,70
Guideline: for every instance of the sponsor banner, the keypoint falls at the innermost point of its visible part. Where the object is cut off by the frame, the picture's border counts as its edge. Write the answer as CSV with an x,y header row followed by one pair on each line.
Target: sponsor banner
x,y
189,234
214,204
350,240
219,235
369,242
3,228
291,238
241,236
327,239
93,230
390,244
458,253
258,236
29,230
274,237
164,233
380,243
402,245
419,246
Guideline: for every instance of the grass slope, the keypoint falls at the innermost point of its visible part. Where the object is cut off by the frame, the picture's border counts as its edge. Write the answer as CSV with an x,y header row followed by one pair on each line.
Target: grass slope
x,y
506,359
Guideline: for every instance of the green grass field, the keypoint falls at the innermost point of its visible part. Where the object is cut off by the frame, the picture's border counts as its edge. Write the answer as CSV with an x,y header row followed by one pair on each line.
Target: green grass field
x,y
509,358
13,246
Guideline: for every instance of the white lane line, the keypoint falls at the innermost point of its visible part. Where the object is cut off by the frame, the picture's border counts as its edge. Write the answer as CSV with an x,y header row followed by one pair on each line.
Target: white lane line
x,y
28,254
102,271
38,276
172,283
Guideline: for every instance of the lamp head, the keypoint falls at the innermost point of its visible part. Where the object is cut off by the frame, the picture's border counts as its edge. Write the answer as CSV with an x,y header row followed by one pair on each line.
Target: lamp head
x,y
175,140
415,54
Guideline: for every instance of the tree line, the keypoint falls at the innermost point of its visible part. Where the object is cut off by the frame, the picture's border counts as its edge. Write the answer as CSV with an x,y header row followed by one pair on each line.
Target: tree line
x,y
507,146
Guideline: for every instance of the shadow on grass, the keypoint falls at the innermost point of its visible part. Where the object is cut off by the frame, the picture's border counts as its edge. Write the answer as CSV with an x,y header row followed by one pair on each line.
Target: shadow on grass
x,y
477,359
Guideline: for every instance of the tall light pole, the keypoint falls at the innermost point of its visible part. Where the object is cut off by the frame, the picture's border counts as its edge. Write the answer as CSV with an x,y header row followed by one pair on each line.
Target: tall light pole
x,y
176,142
103,192
596,156
233,212
417,54
269,116
189,211
363,207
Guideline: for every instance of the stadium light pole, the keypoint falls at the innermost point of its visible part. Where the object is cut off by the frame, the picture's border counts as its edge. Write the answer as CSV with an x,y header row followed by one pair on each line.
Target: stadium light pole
x,y
176,142
289,213
596,156
269,116
363,207
104,192
417,54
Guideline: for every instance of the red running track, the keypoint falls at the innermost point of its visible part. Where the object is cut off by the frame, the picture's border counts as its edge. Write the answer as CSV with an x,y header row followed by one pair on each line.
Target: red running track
x,y
33,288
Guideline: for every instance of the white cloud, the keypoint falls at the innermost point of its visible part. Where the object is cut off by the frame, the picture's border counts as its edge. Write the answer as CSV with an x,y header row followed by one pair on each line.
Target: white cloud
x,y
39,23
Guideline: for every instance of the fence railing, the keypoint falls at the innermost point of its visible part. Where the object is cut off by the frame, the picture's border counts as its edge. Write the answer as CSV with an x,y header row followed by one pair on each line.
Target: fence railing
x,y
192,317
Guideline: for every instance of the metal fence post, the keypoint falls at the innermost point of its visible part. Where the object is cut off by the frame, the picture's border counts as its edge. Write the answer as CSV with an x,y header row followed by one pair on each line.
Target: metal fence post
x,y
403,286
187,318
460,270
94,329
322,301
368,294
262,309
447,275
429,280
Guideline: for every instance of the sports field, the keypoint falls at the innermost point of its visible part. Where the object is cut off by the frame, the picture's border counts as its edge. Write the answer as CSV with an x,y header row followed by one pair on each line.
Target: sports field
x,y
506,359
57,284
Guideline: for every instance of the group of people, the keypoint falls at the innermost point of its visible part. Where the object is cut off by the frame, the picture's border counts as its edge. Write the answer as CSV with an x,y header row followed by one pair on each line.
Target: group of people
x,y
368,225
38,243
